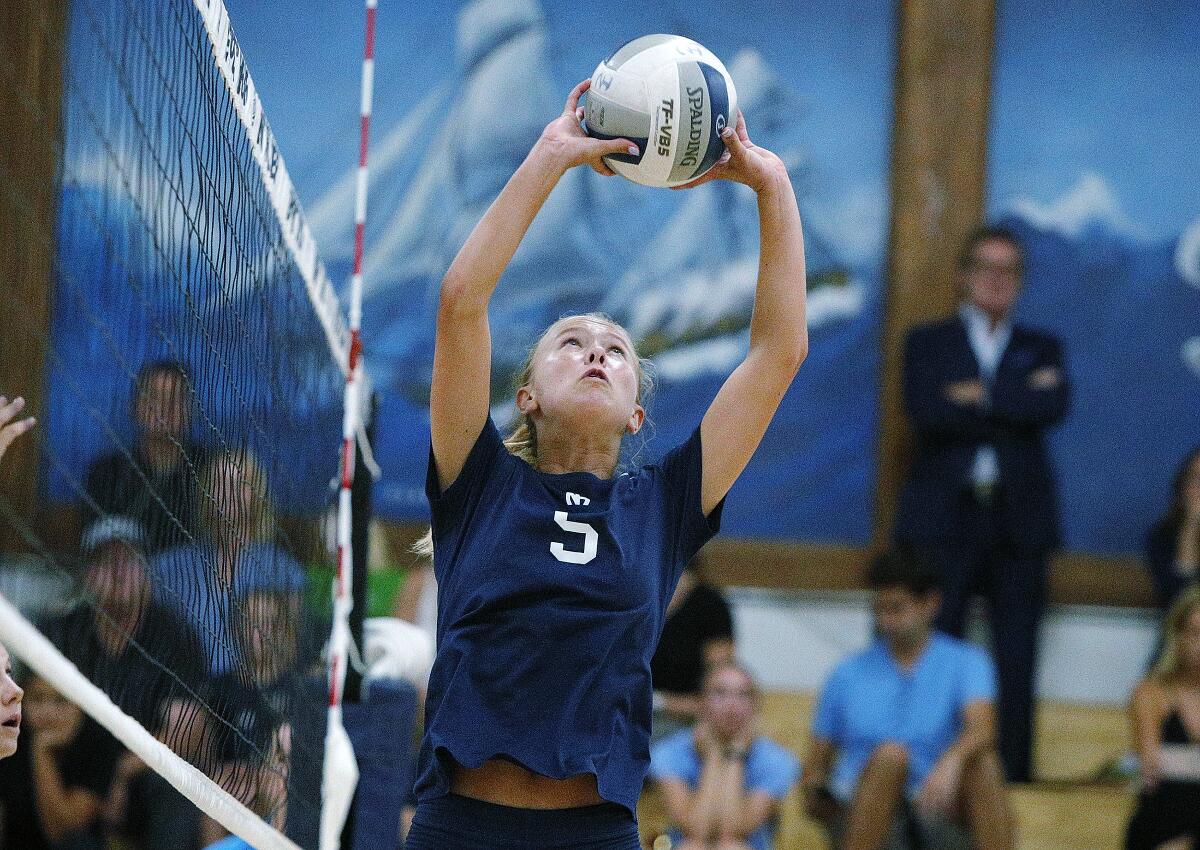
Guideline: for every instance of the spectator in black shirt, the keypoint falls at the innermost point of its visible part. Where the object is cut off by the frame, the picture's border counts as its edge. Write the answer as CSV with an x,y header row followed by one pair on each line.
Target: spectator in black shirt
x,y
697,636
52,791
141,655
254,702
133,649
154,482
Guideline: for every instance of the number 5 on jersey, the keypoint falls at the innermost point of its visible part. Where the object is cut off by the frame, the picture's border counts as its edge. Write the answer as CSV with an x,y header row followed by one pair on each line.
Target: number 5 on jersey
x,y
591,540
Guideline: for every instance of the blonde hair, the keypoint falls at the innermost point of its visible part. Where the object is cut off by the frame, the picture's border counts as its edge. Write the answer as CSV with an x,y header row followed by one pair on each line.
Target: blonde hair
x,y
716,670
1169,666
261,522
522,440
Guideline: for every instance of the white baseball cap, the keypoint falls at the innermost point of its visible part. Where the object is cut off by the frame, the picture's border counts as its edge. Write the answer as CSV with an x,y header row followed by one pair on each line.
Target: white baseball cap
x,y
110,528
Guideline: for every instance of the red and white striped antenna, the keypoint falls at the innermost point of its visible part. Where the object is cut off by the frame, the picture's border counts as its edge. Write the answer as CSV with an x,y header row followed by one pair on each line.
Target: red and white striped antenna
x,y
341,771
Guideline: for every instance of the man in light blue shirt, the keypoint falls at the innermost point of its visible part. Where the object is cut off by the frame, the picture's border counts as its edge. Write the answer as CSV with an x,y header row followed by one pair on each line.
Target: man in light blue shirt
x,y
903,749
722,783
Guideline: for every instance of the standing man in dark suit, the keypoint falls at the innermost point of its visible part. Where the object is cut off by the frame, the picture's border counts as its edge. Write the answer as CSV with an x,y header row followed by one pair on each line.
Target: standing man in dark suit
x,y
980,497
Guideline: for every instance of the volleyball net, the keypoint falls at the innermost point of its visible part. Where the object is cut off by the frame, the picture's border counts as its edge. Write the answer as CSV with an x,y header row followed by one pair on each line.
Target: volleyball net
x,y
195,372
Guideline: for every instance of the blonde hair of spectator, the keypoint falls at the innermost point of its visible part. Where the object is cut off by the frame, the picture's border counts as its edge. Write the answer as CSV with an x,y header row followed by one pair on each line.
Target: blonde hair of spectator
x,y
717,669
259,524
1169,667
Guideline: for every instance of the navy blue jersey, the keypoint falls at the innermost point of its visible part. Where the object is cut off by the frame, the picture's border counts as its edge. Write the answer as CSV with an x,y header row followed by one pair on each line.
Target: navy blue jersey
x,y
552,591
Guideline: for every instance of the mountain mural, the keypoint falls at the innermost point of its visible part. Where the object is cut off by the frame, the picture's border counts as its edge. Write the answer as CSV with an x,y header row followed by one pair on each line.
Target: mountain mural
x,y
452,122
678,269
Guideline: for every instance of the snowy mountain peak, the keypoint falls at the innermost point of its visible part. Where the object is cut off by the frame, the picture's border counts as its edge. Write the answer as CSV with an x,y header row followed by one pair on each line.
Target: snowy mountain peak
x,y
485,24
753,77
1187,255
1190,352
1090,202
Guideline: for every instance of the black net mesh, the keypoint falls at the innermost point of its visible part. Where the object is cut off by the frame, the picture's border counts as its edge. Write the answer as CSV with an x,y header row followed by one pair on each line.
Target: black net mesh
x,y
191,423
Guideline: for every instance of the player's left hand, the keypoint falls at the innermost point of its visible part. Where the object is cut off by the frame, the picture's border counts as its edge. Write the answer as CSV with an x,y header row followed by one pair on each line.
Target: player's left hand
x,y
743,161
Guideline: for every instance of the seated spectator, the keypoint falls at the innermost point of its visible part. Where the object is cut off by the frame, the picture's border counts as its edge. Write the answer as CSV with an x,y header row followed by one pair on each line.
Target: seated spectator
x,y
697,635
721,781
903,750
137,808
141,655
1173,544
233,553
255,698
153,484
10,706
253,703
131,647
52,791
1165,716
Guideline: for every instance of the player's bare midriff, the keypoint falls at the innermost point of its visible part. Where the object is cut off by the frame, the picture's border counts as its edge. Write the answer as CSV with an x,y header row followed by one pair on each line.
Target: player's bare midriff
x,y
508,784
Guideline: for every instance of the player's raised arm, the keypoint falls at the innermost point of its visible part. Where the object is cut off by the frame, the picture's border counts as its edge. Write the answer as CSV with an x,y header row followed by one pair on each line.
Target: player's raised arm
x,y
458,400
739,415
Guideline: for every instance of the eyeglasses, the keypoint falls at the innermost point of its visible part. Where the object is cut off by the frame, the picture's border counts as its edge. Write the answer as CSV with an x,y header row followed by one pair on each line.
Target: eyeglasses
x,y
1007,269
740,693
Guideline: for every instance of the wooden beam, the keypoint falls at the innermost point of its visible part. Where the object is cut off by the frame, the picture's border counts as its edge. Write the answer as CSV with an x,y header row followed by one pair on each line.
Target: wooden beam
x,y
31,58
939,153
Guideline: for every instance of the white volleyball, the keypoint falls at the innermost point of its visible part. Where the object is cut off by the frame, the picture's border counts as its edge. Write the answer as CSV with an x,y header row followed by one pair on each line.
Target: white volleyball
x,y
672,98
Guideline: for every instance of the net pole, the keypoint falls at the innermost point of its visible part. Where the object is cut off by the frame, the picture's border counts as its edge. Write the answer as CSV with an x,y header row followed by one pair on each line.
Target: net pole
x,y
337,791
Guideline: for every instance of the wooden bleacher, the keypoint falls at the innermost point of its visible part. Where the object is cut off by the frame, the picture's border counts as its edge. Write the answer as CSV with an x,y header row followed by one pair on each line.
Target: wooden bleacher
x,y
1064,810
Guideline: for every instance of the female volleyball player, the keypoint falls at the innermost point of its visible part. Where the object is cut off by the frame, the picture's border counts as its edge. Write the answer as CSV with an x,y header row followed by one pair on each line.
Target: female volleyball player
x,y
554,573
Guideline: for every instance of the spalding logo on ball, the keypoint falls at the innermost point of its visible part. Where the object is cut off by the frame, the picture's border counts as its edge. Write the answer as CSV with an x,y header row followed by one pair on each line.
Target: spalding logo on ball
x,y
672,98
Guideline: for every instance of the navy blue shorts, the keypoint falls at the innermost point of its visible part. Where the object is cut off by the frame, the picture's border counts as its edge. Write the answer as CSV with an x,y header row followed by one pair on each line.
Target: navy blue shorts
x,y
454,822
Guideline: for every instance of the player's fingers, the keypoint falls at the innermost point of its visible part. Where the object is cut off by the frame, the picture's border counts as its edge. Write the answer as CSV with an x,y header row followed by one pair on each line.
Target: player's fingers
x,y
740,128
573,98
734,147
9,409
13,430
619,146
601,167
713,173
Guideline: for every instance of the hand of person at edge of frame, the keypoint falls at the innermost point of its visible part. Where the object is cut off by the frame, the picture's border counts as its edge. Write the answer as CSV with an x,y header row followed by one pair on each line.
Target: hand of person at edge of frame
x,y
11,428
571,146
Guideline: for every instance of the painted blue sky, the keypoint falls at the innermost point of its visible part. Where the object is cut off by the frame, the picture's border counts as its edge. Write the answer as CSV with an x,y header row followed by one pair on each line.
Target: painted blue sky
x,y
1108,87
305,58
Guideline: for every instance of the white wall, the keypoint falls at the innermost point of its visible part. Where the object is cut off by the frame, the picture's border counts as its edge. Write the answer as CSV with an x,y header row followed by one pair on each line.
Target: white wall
x,y
791,641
